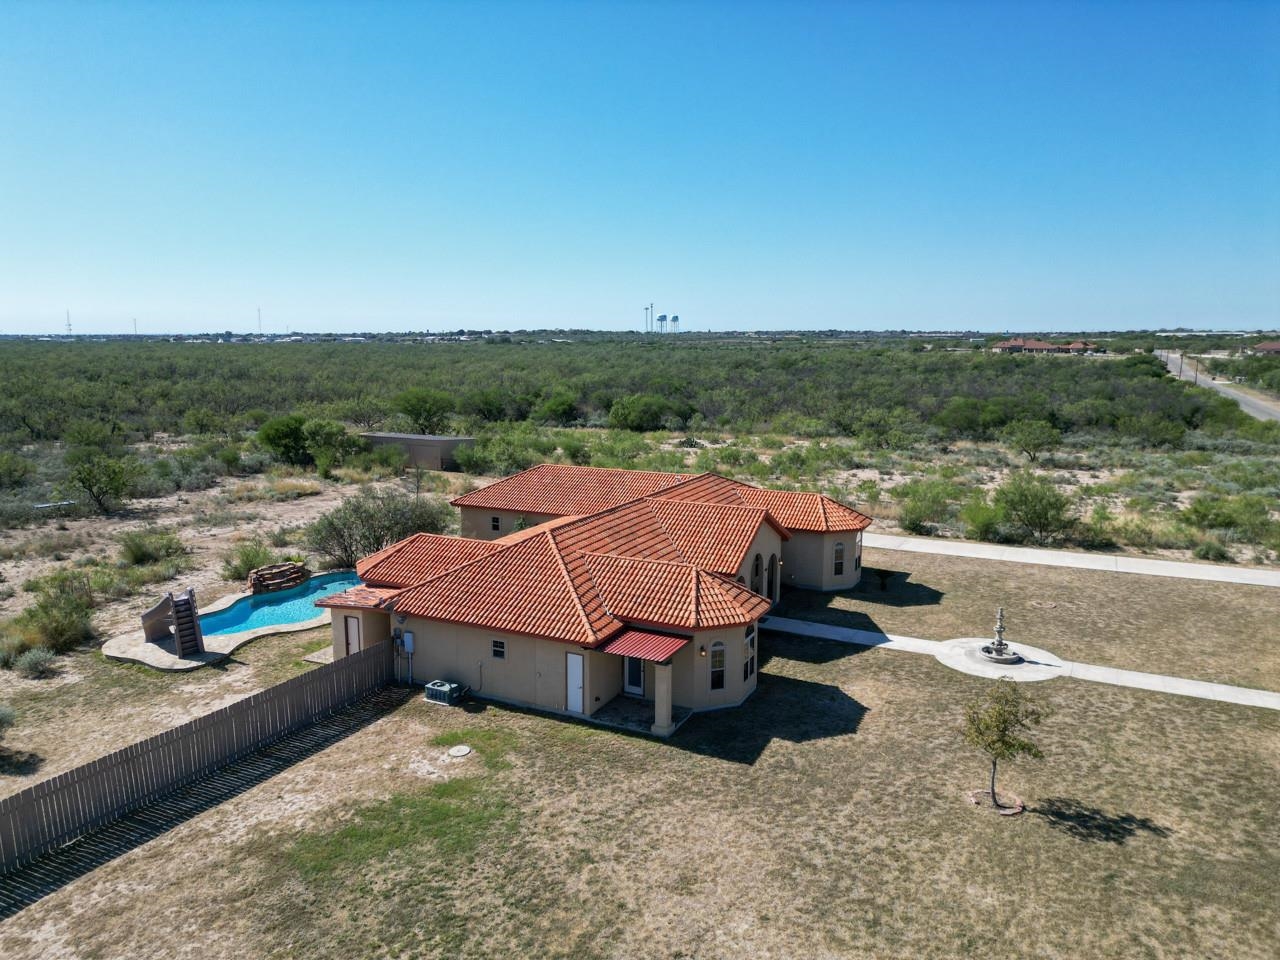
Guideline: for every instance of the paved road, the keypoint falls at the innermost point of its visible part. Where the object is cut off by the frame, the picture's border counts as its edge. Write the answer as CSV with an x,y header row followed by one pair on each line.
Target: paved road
x,y
1219,573
1255,407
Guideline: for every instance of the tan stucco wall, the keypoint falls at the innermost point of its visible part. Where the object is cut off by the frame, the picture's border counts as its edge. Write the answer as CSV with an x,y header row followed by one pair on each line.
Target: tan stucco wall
x,y
477,523
767,542
808,560
531,674
375,627
691,681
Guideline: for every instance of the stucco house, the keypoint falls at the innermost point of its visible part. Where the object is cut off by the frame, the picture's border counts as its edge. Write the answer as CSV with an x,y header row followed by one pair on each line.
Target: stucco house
x,y
573,587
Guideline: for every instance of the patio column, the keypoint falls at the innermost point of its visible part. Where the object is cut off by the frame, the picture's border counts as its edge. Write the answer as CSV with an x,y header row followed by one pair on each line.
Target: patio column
x,y
662,725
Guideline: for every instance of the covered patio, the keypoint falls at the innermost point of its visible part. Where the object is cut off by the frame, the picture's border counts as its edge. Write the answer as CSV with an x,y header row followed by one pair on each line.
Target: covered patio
x,y
656,716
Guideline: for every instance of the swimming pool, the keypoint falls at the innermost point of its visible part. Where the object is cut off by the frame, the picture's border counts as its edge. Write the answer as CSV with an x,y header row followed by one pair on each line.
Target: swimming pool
x,y
284,607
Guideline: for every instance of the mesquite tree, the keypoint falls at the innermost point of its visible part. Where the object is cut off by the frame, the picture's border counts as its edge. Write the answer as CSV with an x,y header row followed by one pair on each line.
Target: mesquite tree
x,y
998,722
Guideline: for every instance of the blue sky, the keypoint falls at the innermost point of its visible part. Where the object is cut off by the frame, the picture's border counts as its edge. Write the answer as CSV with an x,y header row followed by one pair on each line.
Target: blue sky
x,y
386,166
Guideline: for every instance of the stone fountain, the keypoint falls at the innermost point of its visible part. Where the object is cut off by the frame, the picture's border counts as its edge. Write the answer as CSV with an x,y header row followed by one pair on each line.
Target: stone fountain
x,y
1000,652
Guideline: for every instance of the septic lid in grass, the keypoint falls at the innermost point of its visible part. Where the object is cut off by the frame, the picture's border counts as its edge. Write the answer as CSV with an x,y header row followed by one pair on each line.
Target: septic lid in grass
x,y
461,750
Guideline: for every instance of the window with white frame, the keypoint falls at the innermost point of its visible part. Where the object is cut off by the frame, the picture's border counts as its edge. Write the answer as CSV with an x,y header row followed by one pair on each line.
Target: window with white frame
x,y
749,652
837,568
717,666
499,649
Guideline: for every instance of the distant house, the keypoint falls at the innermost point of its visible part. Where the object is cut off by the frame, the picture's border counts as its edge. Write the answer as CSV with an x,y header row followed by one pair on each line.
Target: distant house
x,y
1082,346
1027,345
1269,348
597,592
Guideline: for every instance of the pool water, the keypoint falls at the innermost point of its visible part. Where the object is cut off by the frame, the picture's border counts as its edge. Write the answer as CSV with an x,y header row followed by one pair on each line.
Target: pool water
x,y
277,609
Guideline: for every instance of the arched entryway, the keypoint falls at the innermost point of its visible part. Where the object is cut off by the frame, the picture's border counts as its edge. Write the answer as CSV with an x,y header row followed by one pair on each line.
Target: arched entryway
x,y
774,587
757,574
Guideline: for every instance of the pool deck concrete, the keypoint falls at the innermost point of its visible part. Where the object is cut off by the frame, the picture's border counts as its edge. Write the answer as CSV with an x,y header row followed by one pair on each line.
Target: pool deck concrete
x,y
132,647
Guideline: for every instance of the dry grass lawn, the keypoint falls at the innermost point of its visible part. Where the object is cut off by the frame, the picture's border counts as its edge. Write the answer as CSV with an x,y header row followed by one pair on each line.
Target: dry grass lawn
x,y
826,818
94,706
1224,633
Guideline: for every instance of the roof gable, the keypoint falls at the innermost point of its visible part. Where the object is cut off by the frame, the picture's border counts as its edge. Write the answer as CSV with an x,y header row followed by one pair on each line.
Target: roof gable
x,y
420,557
524,588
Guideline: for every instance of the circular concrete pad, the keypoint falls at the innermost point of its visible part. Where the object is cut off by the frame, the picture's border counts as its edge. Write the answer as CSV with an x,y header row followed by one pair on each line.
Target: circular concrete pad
x,y
461,750
966,656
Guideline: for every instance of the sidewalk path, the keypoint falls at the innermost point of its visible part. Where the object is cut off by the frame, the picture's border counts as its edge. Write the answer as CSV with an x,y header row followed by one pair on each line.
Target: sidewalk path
x,y
1084,561
1081,671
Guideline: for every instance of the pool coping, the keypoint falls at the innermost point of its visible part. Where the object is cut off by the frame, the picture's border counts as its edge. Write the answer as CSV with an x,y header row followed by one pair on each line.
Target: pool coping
x,y
132,647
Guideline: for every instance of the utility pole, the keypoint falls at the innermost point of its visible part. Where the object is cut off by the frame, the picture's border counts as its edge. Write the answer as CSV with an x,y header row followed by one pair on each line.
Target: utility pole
x,y
259,321
135,326
68,321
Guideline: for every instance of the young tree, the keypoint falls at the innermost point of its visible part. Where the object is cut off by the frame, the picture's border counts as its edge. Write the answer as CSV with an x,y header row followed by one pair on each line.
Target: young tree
x,y
286,438
1033,505
1031,437
998,724
428,409
104,480
328,443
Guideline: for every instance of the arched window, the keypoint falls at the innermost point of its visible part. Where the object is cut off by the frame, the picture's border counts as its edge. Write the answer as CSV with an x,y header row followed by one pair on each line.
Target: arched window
x,y
757,569
717,666
772,580
838,566
749,653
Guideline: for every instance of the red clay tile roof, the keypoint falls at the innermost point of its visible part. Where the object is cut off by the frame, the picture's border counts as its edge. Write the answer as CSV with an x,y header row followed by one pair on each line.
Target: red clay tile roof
x,y
566,490
663,561
712,536
561,489
523,588
665,594
1027,344
793,509
366,598
643,645
1270,346
420,557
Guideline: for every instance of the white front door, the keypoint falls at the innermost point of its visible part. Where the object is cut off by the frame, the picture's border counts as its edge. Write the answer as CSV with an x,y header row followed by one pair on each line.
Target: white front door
x,y
633,675
573,682
353,635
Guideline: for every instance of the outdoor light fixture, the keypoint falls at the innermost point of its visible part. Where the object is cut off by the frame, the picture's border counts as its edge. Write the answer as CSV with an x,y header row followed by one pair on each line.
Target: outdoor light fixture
x,y
702,650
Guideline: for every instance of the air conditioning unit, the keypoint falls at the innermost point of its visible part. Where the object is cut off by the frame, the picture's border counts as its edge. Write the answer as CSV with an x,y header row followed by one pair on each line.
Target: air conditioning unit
x,y
443,691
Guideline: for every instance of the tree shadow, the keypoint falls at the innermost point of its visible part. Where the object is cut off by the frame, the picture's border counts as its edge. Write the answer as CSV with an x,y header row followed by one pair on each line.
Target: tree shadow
x,y
1092,824
894,588
890,588
19,763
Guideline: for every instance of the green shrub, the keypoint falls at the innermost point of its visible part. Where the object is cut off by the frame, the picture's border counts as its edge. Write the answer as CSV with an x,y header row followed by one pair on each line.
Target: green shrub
x,y
7,718
57,620
1033,506
246,556
12,646
1212,549
980,517
925,503
151,545
374,519
35,663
